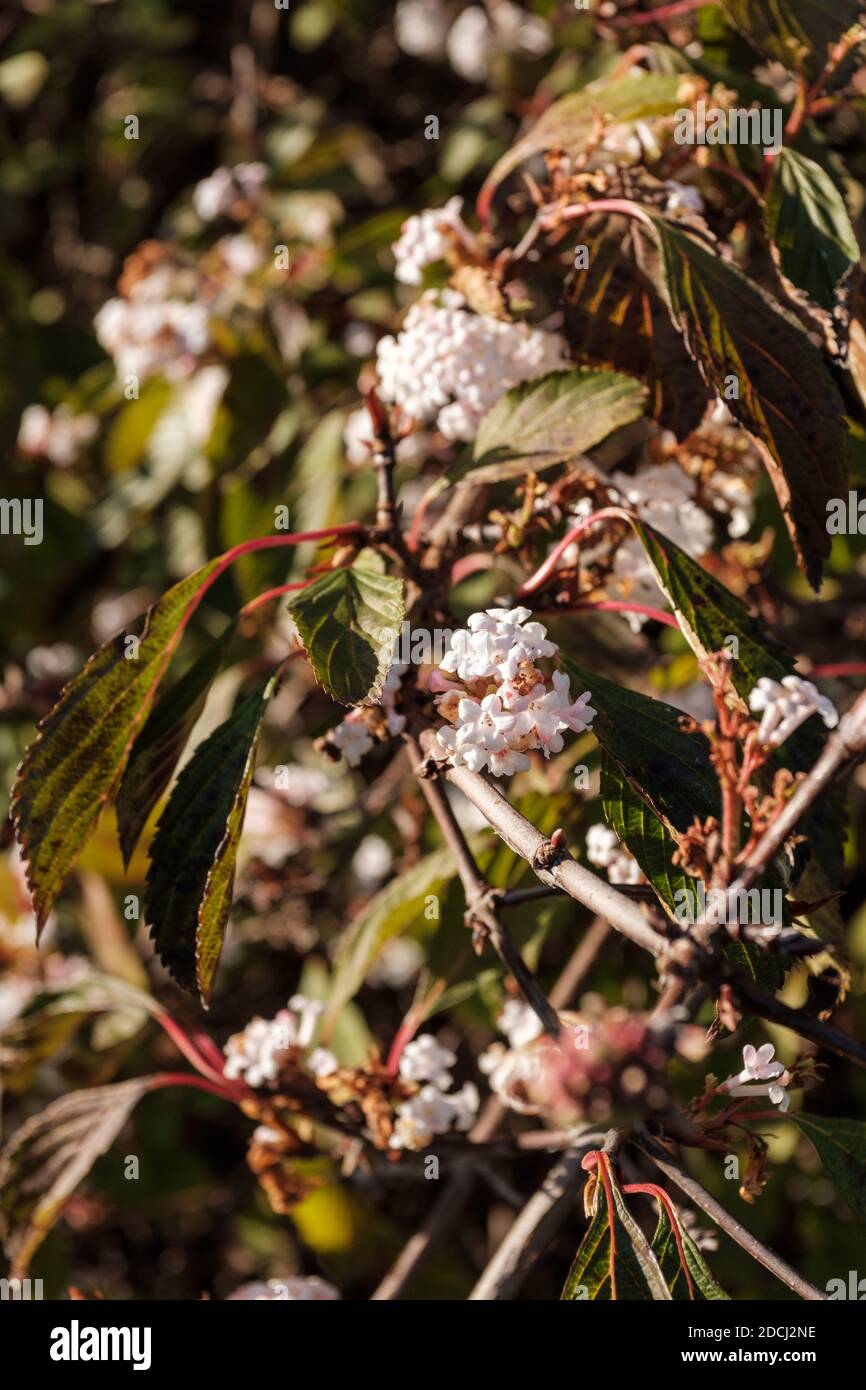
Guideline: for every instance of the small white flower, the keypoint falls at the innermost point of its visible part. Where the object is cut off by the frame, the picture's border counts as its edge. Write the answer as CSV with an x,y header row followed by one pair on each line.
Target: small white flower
x,y
352,738
785,705
425,1059
603,849
519,1023
424,240
683,197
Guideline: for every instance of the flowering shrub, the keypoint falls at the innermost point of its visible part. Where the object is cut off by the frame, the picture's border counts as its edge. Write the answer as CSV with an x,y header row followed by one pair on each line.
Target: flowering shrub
x,y
483,776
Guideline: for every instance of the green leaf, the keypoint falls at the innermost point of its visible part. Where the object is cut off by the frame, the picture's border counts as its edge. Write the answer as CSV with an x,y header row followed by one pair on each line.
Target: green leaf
x,y
160,744
636,1272
810,228
787,399
48,1156
76,763
194,850
393,910
664,1248
794,32
643,835
54,1015
615,317
670,768
349,621
128,437
568,122
841,1147
551,420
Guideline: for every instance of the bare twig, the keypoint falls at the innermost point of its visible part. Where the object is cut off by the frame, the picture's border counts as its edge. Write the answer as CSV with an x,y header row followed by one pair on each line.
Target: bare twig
x,y
480,901
536,1225
727,1223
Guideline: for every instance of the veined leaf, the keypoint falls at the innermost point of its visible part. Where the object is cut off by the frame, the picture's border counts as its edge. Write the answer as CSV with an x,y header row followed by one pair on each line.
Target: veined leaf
x,y
670,768
568,122
841,1147
194,851
78,758
54,1015
48,1156
810,228
616,318
665,1249
160,744
632,1274
391,911
551,420
643,835
349,621
794,32
786,396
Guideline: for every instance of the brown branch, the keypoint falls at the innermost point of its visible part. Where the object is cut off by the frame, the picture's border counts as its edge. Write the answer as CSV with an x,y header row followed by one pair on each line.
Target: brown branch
x,y
536,1225
481,911
846,745
449,1205
727,1223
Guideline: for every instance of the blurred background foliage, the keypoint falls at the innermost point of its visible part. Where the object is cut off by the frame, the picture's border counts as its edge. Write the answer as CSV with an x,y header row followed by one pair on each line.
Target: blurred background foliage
x,y
323,94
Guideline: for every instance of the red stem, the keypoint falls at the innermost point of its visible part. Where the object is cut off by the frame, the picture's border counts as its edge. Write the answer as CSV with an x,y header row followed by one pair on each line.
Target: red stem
x,y
653,1190
188,1048
677,7
840,668
548,568
269,594
196,1083
615,606
604,1170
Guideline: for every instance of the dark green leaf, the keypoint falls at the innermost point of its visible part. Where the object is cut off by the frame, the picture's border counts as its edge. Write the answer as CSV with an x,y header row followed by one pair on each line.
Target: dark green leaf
x,y
78,758
160,744
643,835
787,399
636,1274
194,849
810,228
665,1250
794,32
349,621
841,1147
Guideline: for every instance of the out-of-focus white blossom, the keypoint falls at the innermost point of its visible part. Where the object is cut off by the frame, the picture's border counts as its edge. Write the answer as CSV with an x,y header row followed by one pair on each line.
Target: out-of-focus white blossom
x,y
372,860
424,240
216,195
258,1054
520,710
683,197
396,964
604,849
448,366
425,1059
519,1023
287,1291
240,254
477,34
151,331
785,705
421,27
57,435
57,662
352,737
432,1112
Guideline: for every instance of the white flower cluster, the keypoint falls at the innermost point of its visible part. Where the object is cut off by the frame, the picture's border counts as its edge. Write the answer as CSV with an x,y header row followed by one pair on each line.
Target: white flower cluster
x,y
424,240
352,736
785,705
758,1065
153,331
604,849
287,1291
510,707
448,366
216,195
423,29
431,1111
57,435
257,1055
